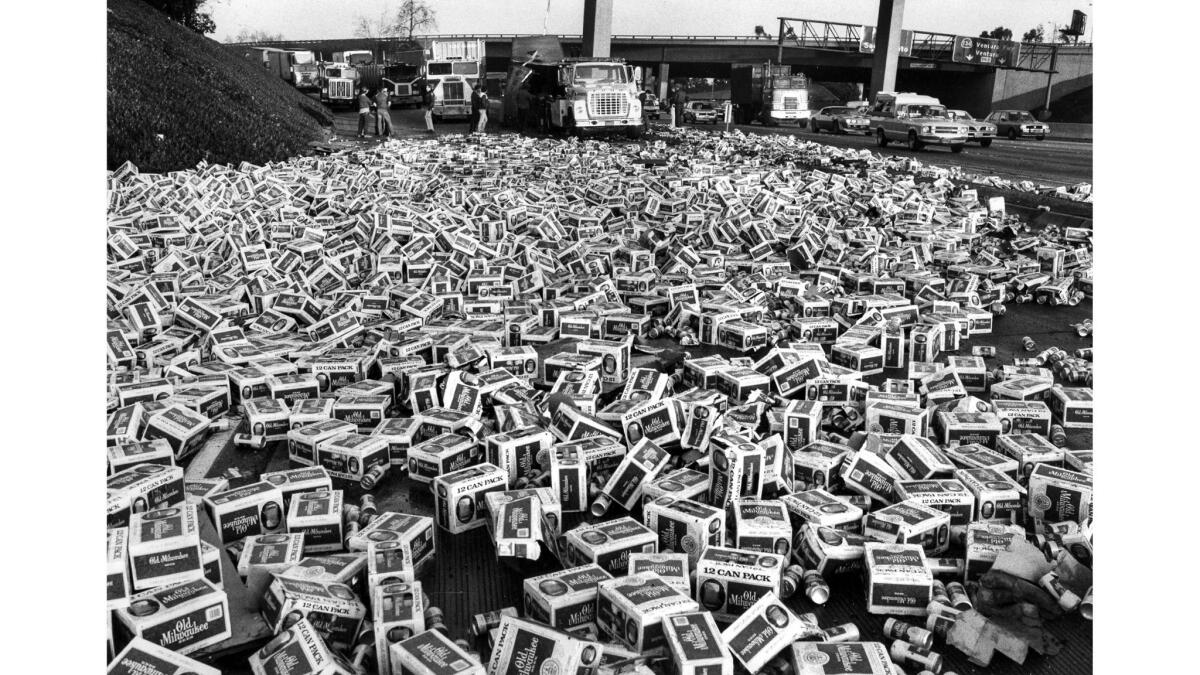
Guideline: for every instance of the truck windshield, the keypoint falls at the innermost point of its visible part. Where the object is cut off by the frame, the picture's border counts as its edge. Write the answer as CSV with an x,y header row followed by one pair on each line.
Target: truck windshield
x,y
439,68
602,74
302,58
465,68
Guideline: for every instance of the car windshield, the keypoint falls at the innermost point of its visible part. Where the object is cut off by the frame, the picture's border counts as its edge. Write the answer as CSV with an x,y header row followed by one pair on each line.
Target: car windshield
x,y
962,115
926,111
1021,117
605,74
839,111
703,106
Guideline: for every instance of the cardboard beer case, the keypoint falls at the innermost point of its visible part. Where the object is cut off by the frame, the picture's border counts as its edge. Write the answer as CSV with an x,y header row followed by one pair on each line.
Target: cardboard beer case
x,y
892,418
432,653
140,488
898,579
947,494
761,525
695,645
842,658
565,599
972,456
333,607
1030,450
678,484
765,630
801,421
1072,406
985,543
1058,494
972,372
292,482
523,646
1022,417
184,429
674,568
310,410
981,428
735,470
998,498
918,458
344,568
910,522
132,453
116,568
818,464
142,657
440,455
608,544
389,562
414,532
317,514
271,553
631,610
729,581
184,617
252,509
516,451
459,496
299,650
684,526
125,424
830,551
164,547
400,433
304,441
869,474
820,507
398,615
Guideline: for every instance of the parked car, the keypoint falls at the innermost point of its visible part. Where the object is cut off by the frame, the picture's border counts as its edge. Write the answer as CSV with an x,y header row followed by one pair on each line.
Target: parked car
x,y
1016,123
839,120
914,119
978,131
651,107
699,112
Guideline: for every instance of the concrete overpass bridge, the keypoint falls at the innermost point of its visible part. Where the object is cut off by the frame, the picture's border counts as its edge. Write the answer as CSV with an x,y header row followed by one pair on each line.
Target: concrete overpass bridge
x,y
825,51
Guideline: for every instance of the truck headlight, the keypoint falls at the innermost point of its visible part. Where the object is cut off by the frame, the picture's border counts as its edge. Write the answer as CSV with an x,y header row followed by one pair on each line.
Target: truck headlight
x,y
926,129
580,109
635,107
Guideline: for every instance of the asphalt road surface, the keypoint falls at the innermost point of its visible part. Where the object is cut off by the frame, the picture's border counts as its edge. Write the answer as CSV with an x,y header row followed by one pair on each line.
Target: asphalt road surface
x,y
1050,162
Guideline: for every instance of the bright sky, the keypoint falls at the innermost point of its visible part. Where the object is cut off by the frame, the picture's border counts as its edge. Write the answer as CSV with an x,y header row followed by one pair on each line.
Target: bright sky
x,y
312,19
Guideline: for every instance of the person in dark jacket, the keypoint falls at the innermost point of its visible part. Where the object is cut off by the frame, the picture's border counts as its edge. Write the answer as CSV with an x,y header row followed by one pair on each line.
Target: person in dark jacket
x,y
383,113
678,102
427,103
476,106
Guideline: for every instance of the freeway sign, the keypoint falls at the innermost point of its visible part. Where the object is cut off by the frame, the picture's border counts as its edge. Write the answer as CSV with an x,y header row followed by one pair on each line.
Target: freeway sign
x,y
985,51
867,44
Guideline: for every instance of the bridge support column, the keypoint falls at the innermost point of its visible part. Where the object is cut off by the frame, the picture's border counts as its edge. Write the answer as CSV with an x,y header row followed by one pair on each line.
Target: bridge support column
x,y
887,46
597,27
664,80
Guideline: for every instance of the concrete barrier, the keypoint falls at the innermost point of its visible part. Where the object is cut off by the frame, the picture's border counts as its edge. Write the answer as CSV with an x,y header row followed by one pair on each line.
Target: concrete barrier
x,y
1065,131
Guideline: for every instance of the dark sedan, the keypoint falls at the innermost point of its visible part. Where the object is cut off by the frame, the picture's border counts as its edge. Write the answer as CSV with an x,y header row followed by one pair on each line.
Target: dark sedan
x,y
1017,123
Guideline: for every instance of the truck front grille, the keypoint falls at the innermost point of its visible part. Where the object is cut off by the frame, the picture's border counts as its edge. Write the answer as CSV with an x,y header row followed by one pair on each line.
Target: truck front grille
x,y
452,93
341,89
608,104
791,103
949,130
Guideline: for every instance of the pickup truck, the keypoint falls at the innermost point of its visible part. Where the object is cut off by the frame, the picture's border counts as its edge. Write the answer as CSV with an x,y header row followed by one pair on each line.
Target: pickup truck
x,y
915,120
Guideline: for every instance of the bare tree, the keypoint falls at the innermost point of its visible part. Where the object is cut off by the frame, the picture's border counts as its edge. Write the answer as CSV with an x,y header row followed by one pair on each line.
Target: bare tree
x,y
413,16
374,29
256,35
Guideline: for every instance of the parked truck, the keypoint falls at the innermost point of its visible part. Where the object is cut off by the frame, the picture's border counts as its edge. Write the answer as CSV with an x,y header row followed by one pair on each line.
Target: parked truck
x,y
338,82
452,71
304,70
570,95
770,94
915,120
403,75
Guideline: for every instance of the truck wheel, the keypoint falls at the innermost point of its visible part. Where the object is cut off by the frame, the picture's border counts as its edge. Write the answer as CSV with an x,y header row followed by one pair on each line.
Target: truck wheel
x,y
915,143
956,148
1012,134
985,143
634,132
1041,138
881,138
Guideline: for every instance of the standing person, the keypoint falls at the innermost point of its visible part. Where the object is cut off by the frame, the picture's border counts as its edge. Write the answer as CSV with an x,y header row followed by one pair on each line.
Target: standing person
x,y
670,107
524,103
679,101
645,115
483,106
427,103
383,113
364,110
476,104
